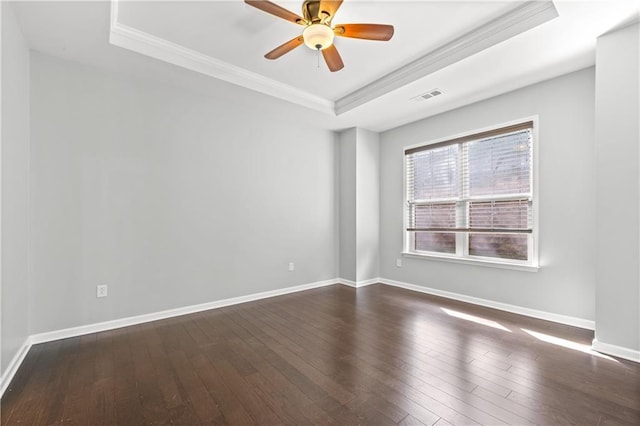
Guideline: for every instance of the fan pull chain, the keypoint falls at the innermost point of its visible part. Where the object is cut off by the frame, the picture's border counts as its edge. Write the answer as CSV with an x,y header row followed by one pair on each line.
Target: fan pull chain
x,y
318,56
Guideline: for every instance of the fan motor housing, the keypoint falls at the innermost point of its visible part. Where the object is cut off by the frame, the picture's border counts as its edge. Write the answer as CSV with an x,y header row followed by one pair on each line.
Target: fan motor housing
x,y
311,11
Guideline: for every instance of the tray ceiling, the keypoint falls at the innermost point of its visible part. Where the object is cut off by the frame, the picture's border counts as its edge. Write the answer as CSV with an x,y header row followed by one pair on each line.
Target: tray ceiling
x,y
469,50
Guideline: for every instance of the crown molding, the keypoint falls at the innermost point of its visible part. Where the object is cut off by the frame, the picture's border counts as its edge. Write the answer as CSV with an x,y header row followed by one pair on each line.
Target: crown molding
x,y
141,42
520,19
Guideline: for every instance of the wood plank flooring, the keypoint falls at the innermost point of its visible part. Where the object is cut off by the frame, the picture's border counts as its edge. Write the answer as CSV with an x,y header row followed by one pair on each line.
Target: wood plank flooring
x,y
374,356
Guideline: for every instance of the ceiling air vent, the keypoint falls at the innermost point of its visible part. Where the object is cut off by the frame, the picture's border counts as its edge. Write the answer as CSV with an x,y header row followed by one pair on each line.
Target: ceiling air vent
x,y
430,94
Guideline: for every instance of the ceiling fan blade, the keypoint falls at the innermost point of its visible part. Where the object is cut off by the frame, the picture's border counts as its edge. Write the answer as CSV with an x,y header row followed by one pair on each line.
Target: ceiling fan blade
x,y
366,31
329,6
274,9
285,48
332,58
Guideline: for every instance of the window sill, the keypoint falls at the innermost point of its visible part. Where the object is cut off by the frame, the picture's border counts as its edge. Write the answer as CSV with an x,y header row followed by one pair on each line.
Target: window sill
x,y
476,262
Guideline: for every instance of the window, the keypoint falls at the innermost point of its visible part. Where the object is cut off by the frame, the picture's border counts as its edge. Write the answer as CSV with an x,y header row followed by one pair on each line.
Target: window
x,y
471,197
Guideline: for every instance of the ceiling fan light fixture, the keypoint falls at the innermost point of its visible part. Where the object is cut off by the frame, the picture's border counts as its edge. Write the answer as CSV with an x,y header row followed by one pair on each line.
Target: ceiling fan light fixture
x,y
318,36
318,32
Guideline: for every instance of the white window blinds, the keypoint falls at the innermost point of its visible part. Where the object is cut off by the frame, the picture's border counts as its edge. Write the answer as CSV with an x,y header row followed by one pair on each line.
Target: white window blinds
x,y
477,184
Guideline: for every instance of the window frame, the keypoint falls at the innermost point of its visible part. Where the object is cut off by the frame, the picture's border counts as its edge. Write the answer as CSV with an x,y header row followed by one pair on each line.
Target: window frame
x,y
462,244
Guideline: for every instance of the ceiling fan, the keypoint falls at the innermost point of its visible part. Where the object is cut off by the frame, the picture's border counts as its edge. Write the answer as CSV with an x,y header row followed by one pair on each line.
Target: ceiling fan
x,y
318,30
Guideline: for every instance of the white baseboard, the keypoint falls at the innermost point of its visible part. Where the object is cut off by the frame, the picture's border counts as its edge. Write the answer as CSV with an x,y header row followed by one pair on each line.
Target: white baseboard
x,y
15,363
358,284
347,282
548,316
617,351
17,360
139,319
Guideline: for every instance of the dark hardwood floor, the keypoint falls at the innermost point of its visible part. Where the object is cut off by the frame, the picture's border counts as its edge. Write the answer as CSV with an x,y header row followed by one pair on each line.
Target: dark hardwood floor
x,y
379,355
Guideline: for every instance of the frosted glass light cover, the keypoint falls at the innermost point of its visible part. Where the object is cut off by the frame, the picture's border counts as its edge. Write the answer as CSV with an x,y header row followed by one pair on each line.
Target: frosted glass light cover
x,y
318,36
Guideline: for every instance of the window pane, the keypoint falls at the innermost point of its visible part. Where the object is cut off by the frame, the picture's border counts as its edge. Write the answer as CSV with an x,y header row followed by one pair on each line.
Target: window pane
x,y
511,214
500,165
441,215
442,242
435,173
475,191
504,246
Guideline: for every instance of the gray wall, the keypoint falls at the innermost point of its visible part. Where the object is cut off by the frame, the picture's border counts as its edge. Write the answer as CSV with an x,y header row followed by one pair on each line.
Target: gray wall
x,y
170,197
368,205
15,187
618,189
565,283
347,141
359,204
176,197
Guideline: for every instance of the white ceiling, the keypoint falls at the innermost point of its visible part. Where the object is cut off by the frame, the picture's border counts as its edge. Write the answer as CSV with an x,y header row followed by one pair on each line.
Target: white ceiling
x,y
239,34
227,40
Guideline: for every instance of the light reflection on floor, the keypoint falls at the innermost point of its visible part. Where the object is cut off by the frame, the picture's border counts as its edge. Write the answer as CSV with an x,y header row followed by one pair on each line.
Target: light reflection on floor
x,y
473,318
558,341
567,344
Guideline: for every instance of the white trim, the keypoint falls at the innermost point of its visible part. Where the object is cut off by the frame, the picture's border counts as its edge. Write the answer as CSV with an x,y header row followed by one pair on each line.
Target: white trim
x,y
5,380
495,126
534,313
462,256
358,284
139,319
115,11
368,282
617,351
473,261
347,282
141,42
17,360
522,18
13,366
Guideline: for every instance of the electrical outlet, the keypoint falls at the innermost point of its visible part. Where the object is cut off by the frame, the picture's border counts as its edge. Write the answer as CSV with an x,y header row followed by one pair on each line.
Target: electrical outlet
x,y
101,290
292,266
399,263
